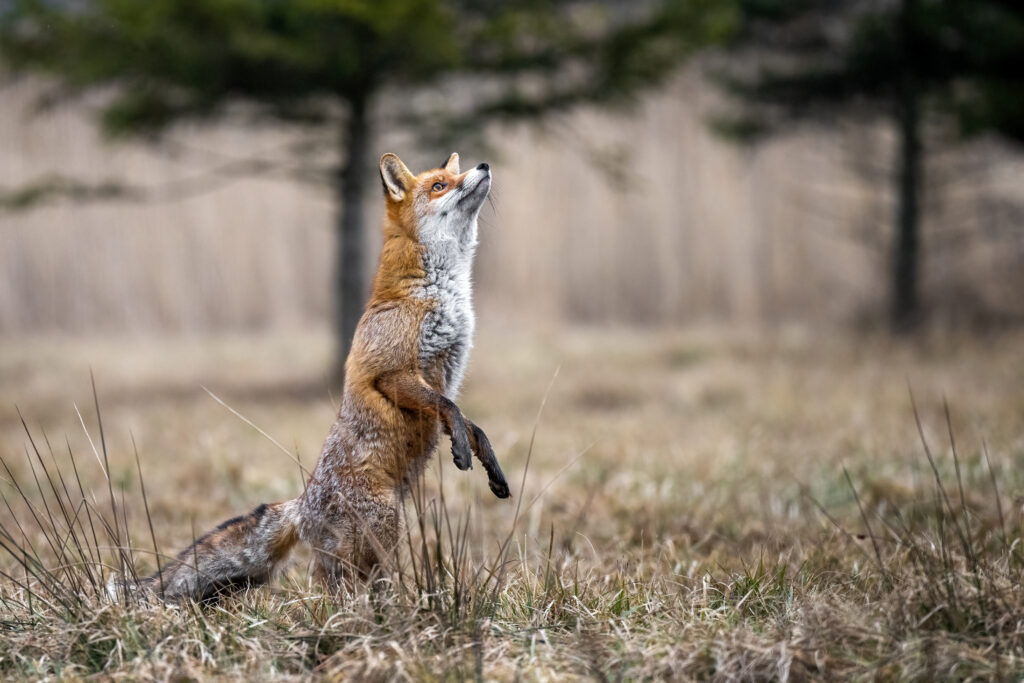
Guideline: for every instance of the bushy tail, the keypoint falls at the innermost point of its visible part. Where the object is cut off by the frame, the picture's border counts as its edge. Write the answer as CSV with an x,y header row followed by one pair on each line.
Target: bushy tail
x,y
242,551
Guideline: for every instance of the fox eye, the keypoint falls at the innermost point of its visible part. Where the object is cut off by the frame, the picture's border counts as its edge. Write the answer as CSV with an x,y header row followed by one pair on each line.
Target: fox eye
x,y
439,186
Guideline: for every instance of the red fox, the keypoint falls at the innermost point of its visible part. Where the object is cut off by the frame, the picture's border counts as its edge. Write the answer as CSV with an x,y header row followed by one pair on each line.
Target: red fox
x,y
407,360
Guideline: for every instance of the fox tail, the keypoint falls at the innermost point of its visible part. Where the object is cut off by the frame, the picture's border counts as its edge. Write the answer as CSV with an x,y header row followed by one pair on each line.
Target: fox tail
x,y
243,551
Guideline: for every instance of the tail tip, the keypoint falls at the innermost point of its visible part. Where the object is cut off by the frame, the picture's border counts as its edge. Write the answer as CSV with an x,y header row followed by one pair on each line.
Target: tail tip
x,y
120,587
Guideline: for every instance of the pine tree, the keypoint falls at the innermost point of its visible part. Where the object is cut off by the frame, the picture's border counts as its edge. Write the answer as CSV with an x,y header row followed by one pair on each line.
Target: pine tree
x,y
904,61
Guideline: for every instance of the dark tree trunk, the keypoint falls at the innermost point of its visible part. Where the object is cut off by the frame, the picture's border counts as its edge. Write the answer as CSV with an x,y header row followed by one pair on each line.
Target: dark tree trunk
x,y
905,305
350,276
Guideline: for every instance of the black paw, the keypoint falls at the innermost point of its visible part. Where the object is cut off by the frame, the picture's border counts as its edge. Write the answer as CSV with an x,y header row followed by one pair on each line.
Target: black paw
x,y
461,454
499,486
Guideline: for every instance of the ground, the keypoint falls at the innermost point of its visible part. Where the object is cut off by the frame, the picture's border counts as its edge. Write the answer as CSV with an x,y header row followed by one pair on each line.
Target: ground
x,y
694,505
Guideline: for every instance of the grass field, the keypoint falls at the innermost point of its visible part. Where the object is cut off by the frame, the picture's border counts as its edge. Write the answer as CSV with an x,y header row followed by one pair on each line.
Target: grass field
x,y
696,505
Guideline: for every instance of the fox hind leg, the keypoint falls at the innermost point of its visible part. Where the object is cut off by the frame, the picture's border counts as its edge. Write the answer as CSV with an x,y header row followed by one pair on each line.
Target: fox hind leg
x,y
356,548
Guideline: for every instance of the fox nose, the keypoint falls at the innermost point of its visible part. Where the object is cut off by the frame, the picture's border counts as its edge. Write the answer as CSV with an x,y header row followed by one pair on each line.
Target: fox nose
x,y
484,167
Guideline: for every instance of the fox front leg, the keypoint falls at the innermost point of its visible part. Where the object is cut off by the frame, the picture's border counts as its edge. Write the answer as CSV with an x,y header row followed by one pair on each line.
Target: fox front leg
x,y
455,426
410,392
482,447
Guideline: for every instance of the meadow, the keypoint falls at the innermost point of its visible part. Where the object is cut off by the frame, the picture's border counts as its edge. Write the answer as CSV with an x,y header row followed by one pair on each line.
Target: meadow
x,y
686,505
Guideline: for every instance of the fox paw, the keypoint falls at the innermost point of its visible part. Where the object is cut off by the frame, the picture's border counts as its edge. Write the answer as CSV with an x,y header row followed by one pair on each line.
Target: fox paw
x,y
499,486
461,454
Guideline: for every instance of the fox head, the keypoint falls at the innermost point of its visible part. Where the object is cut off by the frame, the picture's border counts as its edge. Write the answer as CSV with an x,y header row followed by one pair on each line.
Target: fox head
x,y
437,208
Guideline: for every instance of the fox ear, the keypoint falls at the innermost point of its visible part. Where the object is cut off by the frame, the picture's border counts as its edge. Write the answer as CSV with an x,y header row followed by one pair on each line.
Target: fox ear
x,y
396,177
452,165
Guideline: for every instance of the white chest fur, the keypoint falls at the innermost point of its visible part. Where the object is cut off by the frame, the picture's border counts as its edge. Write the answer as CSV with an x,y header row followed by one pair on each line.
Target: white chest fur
x,y
446,334
448,234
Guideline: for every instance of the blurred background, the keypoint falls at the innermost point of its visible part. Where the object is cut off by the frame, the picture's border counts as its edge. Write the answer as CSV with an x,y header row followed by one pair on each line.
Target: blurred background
x,y
193,168
189,198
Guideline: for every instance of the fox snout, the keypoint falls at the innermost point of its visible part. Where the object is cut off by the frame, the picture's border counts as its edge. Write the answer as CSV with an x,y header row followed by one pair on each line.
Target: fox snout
x,y
475,188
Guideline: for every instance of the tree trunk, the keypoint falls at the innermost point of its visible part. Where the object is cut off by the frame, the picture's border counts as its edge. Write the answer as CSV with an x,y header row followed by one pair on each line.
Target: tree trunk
x,y
905,306
350,275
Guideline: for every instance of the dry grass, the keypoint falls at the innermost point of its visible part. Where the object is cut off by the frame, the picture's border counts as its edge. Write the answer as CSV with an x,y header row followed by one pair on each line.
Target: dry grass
x,y
744,508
